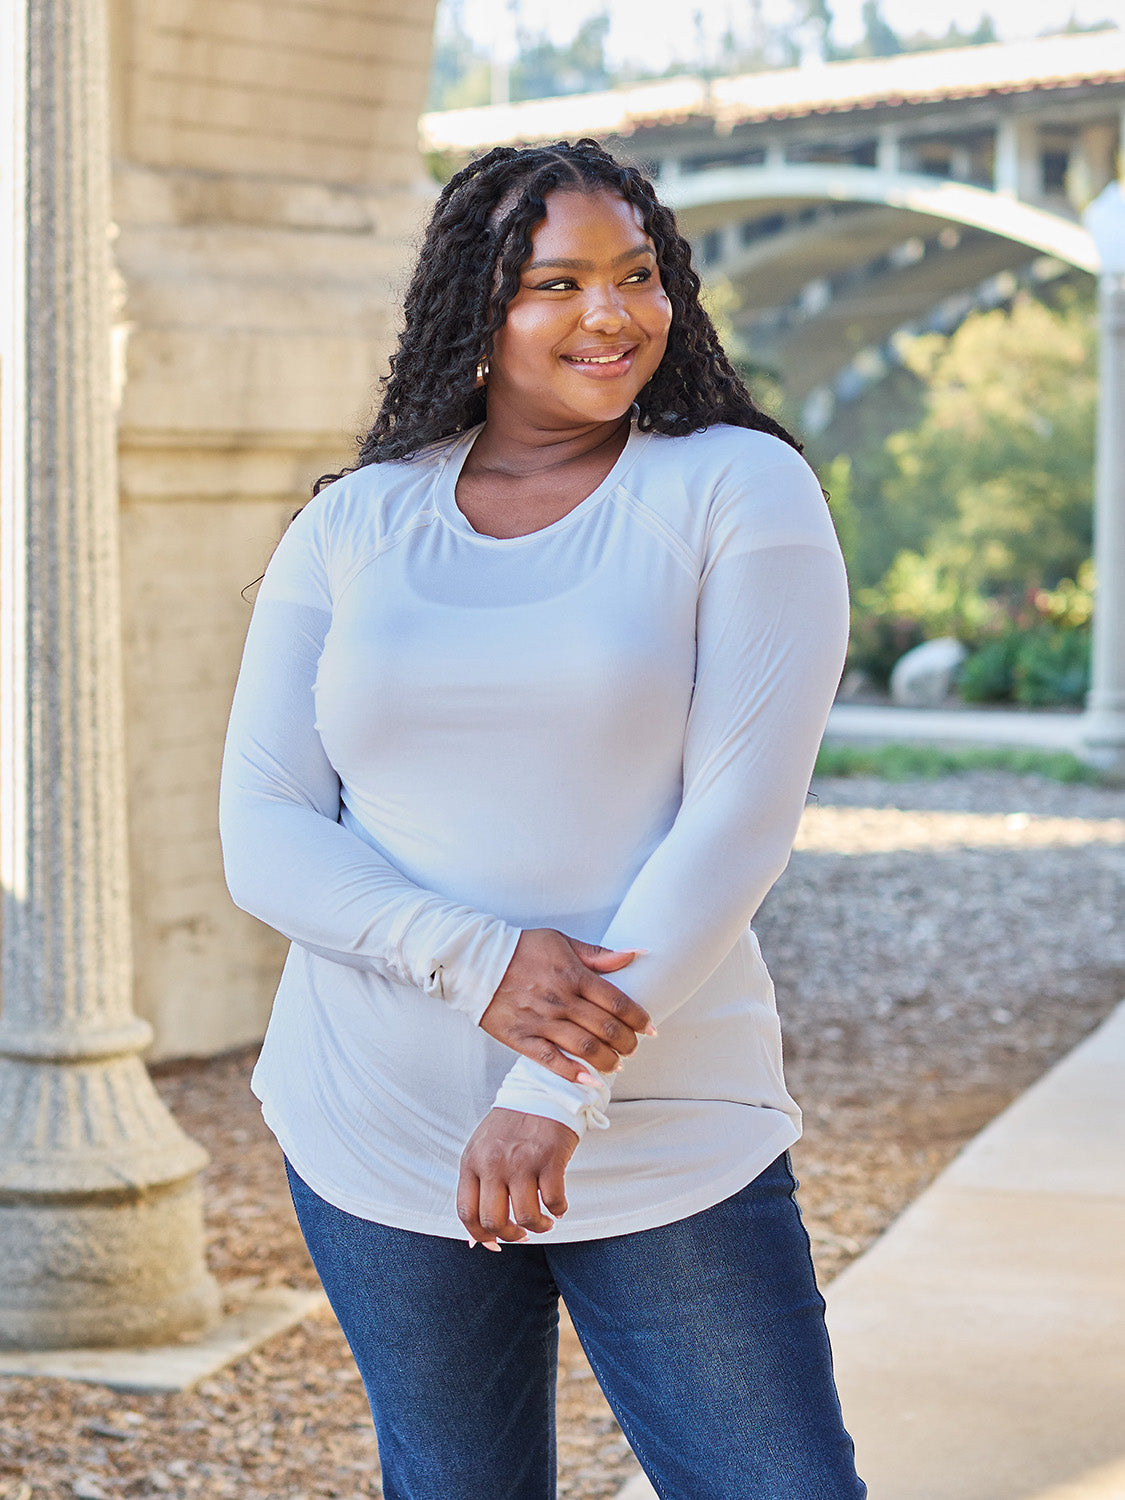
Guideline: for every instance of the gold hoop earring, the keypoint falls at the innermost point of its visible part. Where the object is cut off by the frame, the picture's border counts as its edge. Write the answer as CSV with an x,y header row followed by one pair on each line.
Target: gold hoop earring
x,y
482,372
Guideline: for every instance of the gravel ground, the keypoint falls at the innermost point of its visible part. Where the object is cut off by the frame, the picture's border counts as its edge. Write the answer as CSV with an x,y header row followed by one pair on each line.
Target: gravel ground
x,y
935,946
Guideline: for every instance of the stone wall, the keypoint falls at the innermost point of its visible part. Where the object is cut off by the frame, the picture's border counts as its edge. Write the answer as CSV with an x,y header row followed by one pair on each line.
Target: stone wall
x,y
267,188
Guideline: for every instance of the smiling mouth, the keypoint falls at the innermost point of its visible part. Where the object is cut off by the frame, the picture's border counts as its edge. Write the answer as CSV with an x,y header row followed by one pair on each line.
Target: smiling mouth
x,y
616,359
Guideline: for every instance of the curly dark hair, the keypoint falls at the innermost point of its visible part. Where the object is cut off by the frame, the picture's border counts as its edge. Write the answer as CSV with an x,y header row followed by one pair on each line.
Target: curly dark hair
x,y
477,241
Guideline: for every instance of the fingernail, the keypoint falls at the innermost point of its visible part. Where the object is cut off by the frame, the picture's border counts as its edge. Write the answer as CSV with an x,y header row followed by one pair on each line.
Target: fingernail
x,y
618,1066
650,1030
640,952
588,1078
491,1245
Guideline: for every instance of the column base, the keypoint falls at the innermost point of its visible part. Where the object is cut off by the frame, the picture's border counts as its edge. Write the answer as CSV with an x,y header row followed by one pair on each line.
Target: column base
x,y
1102,739
104,1272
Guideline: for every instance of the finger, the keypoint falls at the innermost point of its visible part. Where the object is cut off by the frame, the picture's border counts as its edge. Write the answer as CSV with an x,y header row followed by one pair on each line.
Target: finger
x,y
525,1206
604,960
601,1023
494,1216
552,1188
548,1056
468,1206
579,1043
618,1004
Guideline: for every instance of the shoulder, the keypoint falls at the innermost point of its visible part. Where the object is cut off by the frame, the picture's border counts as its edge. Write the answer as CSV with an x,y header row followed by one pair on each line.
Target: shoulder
x,y
374,502
353,519
733,486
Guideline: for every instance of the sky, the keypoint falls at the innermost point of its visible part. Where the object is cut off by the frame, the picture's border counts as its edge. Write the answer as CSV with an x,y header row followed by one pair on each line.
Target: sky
x,y
657,32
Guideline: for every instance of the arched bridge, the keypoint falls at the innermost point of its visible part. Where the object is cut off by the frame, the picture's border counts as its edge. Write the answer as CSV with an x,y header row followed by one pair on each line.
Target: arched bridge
x,y
848,202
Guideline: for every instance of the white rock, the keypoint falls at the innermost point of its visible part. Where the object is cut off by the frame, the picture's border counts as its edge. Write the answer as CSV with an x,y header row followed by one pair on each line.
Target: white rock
x,y
923,678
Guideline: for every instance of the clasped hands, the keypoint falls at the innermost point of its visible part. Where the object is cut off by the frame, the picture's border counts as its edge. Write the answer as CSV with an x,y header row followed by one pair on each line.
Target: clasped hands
x,y
551,1001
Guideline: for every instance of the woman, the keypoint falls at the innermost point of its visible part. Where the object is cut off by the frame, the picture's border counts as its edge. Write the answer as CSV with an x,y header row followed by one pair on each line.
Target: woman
x,y
525,705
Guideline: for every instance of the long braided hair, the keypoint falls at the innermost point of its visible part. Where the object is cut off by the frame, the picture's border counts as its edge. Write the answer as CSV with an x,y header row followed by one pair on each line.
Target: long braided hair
x,y
477,241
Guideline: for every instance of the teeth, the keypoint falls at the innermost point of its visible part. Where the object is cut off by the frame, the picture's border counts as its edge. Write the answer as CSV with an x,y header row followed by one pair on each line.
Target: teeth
x,y
597,359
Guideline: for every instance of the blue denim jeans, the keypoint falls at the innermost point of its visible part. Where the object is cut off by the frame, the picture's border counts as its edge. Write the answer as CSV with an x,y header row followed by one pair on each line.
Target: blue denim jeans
x,y
707,1337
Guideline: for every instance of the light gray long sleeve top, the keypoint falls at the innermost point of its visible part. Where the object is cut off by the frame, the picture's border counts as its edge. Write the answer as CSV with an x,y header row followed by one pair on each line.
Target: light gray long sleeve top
x,y
608,726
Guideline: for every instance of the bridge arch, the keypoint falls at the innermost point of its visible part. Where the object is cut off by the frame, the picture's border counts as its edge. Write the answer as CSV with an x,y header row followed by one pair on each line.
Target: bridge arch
x,y
711,197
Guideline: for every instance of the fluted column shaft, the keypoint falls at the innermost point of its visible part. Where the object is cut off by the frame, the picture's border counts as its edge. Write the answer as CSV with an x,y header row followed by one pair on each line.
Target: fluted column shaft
x,y
100,1222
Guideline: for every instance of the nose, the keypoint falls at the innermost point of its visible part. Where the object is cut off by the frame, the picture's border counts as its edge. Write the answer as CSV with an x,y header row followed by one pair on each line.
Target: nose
x,y
605,310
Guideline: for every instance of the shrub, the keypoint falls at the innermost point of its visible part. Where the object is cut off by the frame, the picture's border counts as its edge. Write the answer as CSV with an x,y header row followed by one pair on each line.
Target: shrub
x,y
1039,666
1052,666
986,675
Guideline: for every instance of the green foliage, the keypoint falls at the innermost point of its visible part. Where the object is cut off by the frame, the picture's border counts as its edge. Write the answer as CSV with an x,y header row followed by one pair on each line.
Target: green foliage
x,y
911,762
836,478
925,589
1052,666
1038,655
987,676
994,485
460,70
1043,666
980,512
860,432
545,69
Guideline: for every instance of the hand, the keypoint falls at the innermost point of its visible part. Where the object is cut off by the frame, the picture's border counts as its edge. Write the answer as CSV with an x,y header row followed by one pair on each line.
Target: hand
x,y
512,1169
551,1001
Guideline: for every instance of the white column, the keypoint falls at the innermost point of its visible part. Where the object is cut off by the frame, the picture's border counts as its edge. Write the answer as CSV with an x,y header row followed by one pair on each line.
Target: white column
x,y
101,1236
1017,170
888,150
961,164
1091,164
730,245
1104,725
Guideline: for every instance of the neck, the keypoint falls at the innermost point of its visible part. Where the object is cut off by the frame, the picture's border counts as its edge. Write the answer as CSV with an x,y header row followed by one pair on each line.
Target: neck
x,y
508,445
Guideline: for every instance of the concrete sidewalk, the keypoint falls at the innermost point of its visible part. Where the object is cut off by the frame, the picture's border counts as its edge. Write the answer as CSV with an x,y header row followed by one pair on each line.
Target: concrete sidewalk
x,y
873,723
980,1343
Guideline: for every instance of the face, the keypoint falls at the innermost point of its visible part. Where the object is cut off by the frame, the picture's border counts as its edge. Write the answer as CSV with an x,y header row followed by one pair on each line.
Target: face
x,y
589,323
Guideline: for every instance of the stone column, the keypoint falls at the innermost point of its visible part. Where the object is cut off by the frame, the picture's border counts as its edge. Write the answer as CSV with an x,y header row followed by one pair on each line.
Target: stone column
x,y
100,1214
888,149
1017,171
1103,730
1104,726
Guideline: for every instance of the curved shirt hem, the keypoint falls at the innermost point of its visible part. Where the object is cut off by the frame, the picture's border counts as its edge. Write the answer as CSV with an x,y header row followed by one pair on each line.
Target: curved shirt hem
x,y
703,1195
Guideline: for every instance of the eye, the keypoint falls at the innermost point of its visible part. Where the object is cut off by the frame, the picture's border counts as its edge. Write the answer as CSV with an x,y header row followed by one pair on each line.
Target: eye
x,y
640,275
559,284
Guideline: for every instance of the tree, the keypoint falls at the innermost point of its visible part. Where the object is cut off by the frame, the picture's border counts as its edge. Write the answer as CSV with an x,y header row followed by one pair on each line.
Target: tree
x,y
992,491
544,68
880,39
809,30
460,72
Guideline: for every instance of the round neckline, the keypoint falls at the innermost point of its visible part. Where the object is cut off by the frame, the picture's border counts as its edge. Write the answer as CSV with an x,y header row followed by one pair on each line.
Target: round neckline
x,y
445,490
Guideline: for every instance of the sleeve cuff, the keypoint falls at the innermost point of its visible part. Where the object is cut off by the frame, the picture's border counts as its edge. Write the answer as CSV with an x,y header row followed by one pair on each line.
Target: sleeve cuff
x,y
531,1089
468,977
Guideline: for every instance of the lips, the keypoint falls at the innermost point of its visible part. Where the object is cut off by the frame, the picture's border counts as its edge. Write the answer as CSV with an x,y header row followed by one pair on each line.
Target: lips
x,y
602,361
